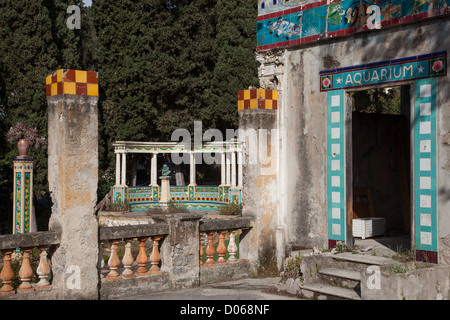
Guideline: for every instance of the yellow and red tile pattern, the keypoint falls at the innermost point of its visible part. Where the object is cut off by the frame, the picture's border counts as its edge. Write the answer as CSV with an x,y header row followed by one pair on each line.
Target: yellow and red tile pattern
x,y
69,81
258,99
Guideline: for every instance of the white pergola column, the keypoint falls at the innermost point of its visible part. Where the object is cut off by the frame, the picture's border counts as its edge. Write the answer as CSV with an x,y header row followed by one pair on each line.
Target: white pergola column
x,y
222,169
233,168
240,170
154,170
228,164
124,168
117,169
192,169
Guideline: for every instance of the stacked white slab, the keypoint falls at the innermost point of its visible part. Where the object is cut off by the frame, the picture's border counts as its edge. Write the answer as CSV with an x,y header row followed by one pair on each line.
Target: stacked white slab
x,y
368,227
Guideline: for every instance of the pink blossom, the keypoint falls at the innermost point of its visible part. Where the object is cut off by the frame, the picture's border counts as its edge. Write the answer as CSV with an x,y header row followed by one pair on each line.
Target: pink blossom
x,y
326,82
437,66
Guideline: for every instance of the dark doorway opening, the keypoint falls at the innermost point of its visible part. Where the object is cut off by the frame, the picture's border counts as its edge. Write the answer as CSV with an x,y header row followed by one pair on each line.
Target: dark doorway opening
x,y
381,160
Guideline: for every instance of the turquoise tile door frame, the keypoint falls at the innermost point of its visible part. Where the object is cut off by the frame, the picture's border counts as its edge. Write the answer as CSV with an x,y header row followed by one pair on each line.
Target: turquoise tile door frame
x,y
425,186
336,163
424,165
420,71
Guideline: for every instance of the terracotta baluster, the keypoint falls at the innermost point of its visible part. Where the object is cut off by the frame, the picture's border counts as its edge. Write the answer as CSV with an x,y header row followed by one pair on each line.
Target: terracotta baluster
x,y
201,248
127,260
155,258
232,247
113,261
221,249
7,274
142,258
210,251
25,272
43,270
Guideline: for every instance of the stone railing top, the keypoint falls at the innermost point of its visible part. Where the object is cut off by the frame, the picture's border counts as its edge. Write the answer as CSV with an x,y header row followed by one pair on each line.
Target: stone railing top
x,y
237,222
29,240
133,231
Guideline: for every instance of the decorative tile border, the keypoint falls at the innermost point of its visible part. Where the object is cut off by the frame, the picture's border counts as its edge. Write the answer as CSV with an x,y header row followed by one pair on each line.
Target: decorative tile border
x,y
258,99
327,19
336,166
425,187
23,195
145,197
236,196
385,72
425,154
120,194
75,82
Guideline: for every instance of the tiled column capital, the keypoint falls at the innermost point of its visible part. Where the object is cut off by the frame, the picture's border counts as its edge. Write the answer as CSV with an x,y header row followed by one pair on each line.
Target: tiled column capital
x,y
69,81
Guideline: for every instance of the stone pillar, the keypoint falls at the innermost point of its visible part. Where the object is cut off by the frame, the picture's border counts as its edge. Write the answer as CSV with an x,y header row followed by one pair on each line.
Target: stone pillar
x,y
179,251
117,169
72,97
133,170
257,110
153,170
222,169
165,190
124,169
240,169
233,168
192,169
23,217
228,171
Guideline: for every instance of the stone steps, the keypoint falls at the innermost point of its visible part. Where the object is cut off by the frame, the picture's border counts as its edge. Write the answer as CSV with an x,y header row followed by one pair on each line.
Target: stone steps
x,y
342,280
330,291
342,273
362,259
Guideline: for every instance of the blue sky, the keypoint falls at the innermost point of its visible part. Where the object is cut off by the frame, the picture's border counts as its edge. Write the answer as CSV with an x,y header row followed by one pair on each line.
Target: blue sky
x,y
87,3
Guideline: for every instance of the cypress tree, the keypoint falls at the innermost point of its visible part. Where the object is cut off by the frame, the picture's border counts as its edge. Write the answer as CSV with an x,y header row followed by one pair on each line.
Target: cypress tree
x,y
236,67
28,54
126,110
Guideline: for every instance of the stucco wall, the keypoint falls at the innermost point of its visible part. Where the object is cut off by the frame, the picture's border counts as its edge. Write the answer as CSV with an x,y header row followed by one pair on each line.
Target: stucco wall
x,y
303,121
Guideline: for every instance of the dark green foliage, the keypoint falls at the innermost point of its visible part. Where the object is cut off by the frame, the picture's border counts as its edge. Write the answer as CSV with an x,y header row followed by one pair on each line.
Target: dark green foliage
x,y
381,100
165,64
235,68
28,54
162,65
34,42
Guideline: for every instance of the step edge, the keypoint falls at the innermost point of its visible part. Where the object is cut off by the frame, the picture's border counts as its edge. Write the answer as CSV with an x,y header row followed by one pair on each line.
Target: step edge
x,y
353,274
344,292
359,258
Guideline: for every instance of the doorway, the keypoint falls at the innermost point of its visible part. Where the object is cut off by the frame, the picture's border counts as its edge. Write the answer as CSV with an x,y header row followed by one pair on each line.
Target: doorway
x,y
381,163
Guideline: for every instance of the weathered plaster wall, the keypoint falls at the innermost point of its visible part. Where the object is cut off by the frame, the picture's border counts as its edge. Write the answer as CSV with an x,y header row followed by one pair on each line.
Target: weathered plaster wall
x,y
303,120
260,194
72,176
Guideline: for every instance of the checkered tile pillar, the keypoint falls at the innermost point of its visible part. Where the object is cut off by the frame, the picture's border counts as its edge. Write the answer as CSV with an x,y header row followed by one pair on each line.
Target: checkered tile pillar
x,y
258,99
72,97
69,81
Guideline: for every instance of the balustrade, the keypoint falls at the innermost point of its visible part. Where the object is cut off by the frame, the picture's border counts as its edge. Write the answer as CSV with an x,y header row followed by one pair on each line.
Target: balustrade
x,y
127,252
26,277
25,261
141,259
217,249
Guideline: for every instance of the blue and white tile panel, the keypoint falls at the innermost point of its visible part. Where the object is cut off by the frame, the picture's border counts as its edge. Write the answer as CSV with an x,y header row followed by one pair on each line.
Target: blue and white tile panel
x,y
336,166
425,191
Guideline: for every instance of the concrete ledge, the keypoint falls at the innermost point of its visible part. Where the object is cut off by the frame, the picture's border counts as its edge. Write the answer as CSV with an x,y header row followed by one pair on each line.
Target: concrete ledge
x,y
29,240
43,294
226,224
226,272
124,288
133,231
430,283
